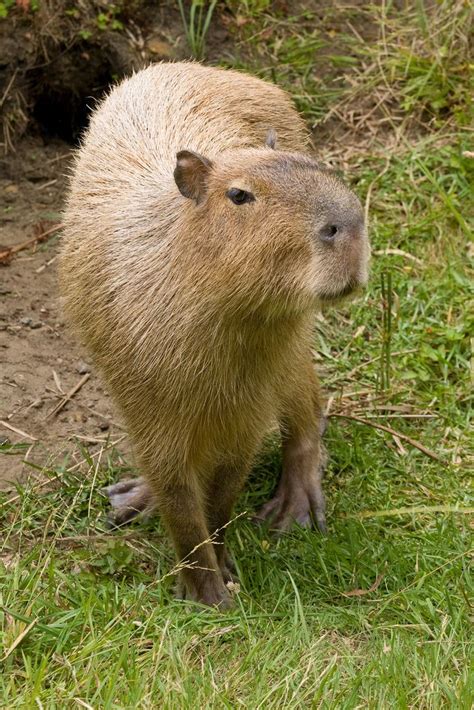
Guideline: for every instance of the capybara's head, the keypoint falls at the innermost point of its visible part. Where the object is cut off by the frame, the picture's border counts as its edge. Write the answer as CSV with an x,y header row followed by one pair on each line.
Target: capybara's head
x,y
280,224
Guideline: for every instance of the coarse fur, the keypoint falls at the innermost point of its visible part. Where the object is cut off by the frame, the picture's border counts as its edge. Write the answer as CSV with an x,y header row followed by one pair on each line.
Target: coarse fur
x,y
197,310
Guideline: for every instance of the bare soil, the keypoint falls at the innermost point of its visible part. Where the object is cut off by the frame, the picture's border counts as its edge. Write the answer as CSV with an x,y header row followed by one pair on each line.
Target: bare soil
x,y
49,79
39,359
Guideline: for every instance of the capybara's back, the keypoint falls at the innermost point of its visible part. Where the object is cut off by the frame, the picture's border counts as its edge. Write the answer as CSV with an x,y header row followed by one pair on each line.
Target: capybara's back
x,y
199,237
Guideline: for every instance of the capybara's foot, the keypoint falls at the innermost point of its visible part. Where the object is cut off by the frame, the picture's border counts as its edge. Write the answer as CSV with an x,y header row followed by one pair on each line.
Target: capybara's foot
x,y
209,589
295,501
299,497
128,500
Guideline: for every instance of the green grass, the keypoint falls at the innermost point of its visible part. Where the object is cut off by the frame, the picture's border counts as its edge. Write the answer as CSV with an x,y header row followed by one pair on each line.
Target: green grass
x,y
102,628
196,24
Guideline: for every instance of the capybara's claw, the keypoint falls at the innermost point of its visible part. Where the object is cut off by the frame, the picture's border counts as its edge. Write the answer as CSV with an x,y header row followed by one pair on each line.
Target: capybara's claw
x,y
128,499
294,506
213,593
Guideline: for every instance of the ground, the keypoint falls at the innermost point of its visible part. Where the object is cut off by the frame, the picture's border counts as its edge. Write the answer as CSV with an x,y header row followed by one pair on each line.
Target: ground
x,y
40,360
378,613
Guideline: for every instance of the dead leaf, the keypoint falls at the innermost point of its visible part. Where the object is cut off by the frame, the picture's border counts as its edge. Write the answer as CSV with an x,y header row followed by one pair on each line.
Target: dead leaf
x,y
241,20
363,592
159,47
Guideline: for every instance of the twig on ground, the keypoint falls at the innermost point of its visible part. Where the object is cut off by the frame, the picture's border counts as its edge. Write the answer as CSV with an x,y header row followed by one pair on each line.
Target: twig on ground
x,y
9,86
17,431
68,396
88,439
358,394
57,382
398,252
391,431
44,266
7,253
62,156
46,184
373,415
107,535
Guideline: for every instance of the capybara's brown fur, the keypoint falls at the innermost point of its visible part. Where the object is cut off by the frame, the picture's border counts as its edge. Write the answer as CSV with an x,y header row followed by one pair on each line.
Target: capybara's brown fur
x,y
194,256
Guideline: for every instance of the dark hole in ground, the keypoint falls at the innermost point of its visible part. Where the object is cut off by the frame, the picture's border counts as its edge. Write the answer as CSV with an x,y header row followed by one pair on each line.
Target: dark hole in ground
x,y
63,92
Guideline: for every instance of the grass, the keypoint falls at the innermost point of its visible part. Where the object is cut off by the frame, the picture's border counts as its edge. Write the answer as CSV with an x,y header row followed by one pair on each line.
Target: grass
x,y
378,613
196,25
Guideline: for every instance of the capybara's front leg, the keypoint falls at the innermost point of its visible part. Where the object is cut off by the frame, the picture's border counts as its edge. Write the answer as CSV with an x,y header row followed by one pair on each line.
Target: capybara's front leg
x,y
221,494
182,510
299,496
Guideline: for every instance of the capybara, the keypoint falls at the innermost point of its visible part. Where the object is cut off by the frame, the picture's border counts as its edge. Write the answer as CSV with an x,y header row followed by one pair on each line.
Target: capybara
x,y
200,238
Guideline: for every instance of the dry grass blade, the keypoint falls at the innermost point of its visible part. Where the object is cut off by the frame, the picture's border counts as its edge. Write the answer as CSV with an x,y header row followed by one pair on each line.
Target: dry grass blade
x,y
397,252
17,431
19,639
414,510
7,253
9,86
69,396
83,704
391,431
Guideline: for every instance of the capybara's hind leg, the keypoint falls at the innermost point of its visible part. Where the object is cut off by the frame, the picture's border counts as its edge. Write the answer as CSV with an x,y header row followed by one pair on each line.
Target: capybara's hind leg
x,y
129,499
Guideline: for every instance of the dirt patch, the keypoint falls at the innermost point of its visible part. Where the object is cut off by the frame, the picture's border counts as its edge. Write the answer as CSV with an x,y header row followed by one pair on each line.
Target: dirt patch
x,y
39,359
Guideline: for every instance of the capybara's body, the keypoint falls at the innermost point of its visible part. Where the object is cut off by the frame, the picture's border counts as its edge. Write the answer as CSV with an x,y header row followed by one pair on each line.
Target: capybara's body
x,y
193,258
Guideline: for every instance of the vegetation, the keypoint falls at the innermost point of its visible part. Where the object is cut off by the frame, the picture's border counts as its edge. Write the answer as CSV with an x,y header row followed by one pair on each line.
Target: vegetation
x,y
378,613
196,25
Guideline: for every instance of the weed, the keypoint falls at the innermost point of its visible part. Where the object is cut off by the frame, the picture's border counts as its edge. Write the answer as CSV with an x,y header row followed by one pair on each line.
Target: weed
x,y
248,9
196,25
5,7
419,70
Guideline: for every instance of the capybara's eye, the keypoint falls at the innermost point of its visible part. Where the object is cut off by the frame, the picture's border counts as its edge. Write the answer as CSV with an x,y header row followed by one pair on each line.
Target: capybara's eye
x,y
239,197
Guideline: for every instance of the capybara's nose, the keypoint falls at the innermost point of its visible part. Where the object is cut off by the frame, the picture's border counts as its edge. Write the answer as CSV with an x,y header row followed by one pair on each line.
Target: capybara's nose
x,y
332,232
328,233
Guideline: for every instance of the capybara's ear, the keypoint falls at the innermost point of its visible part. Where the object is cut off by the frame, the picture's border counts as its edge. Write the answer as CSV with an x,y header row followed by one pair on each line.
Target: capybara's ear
x,y
271,139
191,173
